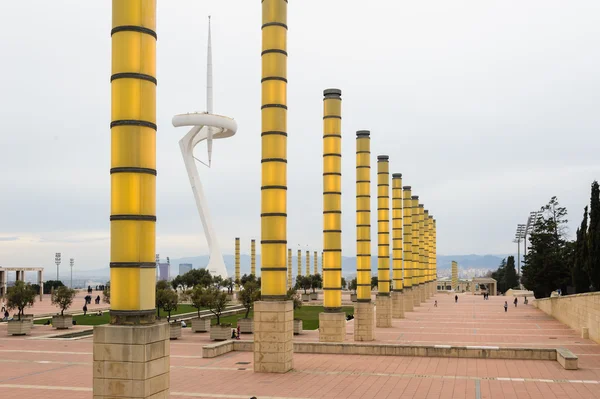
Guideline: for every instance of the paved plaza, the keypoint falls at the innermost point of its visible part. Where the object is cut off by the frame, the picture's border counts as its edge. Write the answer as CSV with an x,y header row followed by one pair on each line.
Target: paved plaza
x,y
53,368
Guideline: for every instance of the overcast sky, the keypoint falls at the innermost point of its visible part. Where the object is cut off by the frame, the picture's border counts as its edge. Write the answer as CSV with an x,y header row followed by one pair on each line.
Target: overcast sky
x,y
488,108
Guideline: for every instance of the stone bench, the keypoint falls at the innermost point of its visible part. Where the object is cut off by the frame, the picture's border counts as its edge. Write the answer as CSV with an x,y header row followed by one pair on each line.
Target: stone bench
x,y
567,359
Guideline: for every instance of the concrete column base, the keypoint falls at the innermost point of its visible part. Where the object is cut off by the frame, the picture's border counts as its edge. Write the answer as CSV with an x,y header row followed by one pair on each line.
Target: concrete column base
x,y
383,313
423,293
408,299
397,305
416,295
364,325
131,361
332,327
273,336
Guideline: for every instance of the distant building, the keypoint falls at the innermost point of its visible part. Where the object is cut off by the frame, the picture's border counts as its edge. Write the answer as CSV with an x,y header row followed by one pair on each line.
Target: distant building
x,y
163,271
184,268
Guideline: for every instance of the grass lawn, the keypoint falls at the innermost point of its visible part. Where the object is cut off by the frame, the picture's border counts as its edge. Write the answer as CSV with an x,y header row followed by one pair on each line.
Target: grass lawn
x,y
308,314
92,320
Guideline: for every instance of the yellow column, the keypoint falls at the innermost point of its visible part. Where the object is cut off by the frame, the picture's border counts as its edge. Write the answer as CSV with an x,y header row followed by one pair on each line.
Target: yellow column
x,y
363,314
426,245
308,263
133,162
274,149
415,251
422,251
299,263
315,263
363,215
434,250
407,245
253,257
384,300
383,225
273,352
289,269
332,200
237,264
398,280
454,275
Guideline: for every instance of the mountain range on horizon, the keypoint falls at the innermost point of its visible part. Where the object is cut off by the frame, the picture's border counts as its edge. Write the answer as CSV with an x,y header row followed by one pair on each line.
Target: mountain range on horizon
x,y
489,262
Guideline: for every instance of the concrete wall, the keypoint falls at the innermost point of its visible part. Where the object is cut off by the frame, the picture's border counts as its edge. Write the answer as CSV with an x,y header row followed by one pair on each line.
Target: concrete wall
x,y
576,311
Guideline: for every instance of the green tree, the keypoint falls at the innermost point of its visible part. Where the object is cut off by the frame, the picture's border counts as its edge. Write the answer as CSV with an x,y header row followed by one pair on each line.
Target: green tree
x,y
160,297
316,282
216,301
511,280
247,277
344,284
499,276
579,272
19,297
106,293
63,298
353,285
48,285
593,262
292,295
248,295
229,284
195,297
170,301
374,282
547,265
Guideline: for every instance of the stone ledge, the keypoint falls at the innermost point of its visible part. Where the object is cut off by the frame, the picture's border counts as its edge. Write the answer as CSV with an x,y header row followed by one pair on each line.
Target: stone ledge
x,y
445,351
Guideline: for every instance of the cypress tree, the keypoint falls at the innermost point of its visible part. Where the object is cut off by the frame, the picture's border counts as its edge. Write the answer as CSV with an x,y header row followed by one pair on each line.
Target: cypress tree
x,y
510,276
581,278
498,275
593,260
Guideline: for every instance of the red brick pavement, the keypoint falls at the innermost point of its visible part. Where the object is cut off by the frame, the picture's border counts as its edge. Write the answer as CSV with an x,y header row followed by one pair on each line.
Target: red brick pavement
x,y
63,368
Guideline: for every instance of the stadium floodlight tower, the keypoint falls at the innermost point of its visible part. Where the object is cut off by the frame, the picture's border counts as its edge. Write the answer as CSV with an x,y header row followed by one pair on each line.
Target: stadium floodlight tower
x,y
205,126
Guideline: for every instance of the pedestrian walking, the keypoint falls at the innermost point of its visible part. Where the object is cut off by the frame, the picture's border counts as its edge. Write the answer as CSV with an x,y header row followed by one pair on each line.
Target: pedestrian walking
x,y
505,306
515,302
85,309
435,304
455,298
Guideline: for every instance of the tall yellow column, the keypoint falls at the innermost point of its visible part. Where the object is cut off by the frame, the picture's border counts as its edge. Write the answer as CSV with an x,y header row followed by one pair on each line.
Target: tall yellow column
x,y
384,300
307,263
416,254
397,278
332,322
363,314
273,351
133,210
299,260
407,245
434,252
237,264
253,257
289,269
422,252
426,263
315,263
454,275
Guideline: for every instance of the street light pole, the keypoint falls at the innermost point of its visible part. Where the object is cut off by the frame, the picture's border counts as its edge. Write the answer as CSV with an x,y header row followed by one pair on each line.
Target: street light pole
x,y
72,262
57,261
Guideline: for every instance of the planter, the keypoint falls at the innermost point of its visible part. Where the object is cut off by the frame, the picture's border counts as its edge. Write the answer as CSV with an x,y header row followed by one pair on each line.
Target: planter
x,y
200,325
175,330
354,297
220,333
246,326
314,296
305,297
297,327
19,327
62,322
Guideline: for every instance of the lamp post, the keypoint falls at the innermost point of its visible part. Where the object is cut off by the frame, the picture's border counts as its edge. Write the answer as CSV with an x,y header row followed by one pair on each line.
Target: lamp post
x,y
57,261
72,263
519,236
157,257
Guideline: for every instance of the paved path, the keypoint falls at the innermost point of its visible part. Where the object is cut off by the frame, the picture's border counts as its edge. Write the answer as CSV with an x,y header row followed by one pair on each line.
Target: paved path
x,y
45,307
63,369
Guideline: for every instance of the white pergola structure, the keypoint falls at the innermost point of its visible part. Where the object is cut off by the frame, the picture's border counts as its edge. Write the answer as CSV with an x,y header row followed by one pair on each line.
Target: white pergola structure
x,y
20,276
205,126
